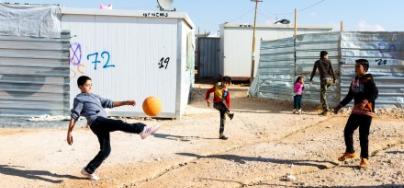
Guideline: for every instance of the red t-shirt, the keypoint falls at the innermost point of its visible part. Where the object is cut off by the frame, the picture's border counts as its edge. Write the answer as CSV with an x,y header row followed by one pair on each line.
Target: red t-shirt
x,y
220,94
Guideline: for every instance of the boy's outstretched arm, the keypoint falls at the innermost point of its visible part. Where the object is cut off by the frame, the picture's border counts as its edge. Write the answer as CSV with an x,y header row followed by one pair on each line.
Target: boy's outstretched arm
x,y
75,114
124,103
69,138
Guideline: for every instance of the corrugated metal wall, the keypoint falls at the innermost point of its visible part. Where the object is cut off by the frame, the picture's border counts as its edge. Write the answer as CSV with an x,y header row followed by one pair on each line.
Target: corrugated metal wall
x,y
275,76
384,50
308,48
208,54
385,53
34,76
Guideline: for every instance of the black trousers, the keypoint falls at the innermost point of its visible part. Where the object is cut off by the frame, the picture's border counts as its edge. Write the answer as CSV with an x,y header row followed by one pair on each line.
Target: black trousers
x,y
297,102
363,122
223,110
101,127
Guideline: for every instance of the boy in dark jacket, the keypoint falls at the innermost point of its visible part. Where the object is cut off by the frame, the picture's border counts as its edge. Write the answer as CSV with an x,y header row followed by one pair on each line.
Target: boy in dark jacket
x,y
364,92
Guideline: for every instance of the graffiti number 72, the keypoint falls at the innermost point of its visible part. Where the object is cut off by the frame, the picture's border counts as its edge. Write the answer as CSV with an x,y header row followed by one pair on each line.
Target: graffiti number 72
x,y
106,56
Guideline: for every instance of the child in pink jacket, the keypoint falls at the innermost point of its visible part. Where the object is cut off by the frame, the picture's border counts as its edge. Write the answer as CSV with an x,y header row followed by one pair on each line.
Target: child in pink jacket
x,y
298,88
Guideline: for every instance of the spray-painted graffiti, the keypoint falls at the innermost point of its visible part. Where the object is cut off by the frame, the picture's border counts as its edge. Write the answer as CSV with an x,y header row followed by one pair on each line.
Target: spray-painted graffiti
x,y
384,48
75,54
94,59
164,62
381,62
79,65
78,70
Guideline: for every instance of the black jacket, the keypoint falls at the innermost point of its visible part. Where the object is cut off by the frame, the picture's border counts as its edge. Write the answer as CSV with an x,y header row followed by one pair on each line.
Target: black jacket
x,y
324,68
362,88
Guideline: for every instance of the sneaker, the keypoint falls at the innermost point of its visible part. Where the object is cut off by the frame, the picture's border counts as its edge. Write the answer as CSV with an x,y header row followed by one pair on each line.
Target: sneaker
x,y
148,130
231,116
364,163
92,177
223,137
299,111
294,111
347,156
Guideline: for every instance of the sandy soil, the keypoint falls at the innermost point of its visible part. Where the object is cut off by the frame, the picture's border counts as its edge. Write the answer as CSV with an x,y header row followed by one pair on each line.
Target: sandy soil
x,y
268,147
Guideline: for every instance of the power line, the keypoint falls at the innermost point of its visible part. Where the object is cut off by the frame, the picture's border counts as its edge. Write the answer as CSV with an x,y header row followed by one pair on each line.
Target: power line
x,y
248,12
311,6
300,10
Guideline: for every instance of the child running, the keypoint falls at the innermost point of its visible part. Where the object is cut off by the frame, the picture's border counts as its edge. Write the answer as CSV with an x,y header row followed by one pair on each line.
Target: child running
x,y
92,107
221,94
364,92
298,88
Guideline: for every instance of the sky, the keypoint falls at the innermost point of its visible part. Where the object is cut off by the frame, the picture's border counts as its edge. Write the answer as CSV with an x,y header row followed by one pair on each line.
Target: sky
x,y
357,15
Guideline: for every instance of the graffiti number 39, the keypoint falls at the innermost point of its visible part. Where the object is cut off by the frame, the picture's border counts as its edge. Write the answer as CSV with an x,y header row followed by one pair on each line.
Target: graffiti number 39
x,y
164,62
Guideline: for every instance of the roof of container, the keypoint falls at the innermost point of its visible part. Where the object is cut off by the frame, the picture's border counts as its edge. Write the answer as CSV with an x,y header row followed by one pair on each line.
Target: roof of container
x,y
274,26
130,13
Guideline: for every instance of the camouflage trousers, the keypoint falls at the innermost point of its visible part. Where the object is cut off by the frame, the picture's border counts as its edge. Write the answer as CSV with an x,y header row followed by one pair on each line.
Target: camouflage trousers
x,y
324,85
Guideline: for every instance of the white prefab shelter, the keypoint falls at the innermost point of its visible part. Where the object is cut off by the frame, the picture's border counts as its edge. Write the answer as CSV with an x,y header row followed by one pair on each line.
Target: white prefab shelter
x,y
236,45
133,55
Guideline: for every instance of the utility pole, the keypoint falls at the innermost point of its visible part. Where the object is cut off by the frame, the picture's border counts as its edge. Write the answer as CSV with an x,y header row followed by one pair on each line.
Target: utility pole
x,y
253,40
341,26
294,41
295,25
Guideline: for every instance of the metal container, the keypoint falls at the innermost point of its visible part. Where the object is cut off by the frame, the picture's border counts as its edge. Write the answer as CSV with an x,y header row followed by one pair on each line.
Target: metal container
x,y
208,57
236,41
133,55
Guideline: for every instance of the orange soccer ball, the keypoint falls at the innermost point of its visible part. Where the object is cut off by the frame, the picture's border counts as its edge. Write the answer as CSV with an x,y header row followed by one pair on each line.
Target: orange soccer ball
x,y
152,106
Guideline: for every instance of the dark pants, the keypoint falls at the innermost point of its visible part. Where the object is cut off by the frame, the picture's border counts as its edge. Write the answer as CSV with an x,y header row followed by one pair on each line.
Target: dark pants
x,y
223,111
101,127
363,122
297,102
324,85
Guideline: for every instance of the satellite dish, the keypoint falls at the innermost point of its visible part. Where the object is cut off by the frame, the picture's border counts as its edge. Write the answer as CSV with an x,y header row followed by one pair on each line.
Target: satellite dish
x,y
166,5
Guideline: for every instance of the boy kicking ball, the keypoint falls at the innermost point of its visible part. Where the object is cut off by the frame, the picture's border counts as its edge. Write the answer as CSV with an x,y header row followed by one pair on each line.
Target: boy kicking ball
x,y
221,102
92,107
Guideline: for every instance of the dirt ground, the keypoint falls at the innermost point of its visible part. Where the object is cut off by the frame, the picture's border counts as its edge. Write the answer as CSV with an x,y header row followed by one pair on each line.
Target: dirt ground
x,y
268,147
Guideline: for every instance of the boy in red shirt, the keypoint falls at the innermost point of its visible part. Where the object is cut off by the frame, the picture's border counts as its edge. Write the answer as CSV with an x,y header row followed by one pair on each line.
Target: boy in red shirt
x,y
221,94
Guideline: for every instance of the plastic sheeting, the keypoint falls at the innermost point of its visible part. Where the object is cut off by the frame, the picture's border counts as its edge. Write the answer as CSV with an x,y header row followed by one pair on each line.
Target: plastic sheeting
x,y
30,20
